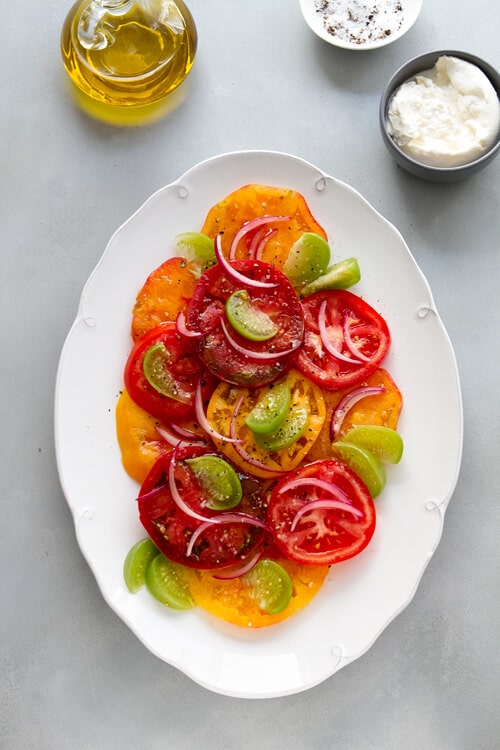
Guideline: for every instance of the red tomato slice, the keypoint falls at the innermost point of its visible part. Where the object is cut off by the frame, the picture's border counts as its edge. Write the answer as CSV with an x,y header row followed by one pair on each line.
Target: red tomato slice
x,y
182,364
353,328
280,303
322,536
220,545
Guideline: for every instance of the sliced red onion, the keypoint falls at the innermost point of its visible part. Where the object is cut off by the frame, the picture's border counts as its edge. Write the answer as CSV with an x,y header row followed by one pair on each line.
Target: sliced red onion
x,y
254,243
241,451
236,571
350,344
203,421
324,505
250,226
155,492
323,332
180,324
249,352
184,433
265,239
177,497
346,403
320,484
234,274
222,519
173,440
242,518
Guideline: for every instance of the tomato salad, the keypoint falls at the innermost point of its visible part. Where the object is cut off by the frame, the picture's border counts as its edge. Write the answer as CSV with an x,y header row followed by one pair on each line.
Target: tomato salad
x,y
256,415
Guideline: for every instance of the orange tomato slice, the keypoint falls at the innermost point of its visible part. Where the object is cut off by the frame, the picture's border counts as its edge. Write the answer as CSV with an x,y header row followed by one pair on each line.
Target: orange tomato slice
x,y
232,601
252,201
382,409
166,291
220,413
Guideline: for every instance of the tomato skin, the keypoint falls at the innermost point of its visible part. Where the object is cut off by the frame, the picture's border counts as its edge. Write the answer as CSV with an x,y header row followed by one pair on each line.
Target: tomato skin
x,y
316,363
206,311
165,292
322,537
170,528
186,369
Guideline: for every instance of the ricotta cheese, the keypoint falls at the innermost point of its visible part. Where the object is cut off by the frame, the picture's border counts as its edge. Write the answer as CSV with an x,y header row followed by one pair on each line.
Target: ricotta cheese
x,y
446,116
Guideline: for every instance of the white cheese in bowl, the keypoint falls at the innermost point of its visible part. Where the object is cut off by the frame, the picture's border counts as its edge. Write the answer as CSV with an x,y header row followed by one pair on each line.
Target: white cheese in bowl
x,y
446,116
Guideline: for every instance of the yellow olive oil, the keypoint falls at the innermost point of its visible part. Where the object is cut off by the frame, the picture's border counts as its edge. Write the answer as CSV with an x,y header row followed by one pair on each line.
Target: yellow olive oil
x,y
124,57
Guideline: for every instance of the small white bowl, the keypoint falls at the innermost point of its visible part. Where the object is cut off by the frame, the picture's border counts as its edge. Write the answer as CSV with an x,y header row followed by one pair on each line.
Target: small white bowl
x,y
405,18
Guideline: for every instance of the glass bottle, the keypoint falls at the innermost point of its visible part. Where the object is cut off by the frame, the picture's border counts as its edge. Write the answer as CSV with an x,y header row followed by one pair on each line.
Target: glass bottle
x,y
124,57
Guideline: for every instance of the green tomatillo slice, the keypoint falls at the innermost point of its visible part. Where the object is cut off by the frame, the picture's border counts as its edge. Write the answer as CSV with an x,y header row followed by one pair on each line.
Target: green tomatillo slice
x,y
383,442
308,258
136,563
270,585
247,319
364,463
198,247
155,367
291,429
219,481
341,275
168,582
270,410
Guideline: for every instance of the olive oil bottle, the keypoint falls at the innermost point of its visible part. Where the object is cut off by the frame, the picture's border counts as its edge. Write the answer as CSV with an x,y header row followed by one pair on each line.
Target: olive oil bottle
x,y
124,57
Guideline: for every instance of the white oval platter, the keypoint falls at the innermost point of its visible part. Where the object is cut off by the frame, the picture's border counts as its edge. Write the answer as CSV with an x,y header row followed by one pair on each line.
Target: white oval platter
x,y
361,596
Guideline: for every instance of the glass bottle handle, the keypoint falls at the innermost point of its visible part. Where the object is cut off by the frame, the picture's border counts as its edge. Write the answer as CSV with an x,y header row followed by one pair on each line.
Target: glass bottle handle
x,y
92,34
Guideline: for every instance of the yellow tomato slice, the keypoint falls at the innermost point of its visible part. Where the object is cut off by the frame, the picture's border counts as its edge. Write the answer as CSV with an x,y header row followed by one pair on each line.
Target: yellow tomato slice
x,y
232,601
381,409
253,201
166,292
221,409
139,442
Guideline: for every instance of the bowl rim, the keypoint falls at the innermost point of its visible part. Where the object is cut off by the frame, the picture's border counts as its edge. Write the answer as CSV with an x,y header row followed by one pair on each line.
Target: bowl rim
x,y
400,76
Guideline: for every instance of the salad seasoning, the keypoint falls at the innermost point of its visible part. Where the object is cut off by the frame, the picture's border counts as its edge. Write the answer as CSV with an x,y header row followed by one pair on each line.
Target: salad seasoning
x,y
358,22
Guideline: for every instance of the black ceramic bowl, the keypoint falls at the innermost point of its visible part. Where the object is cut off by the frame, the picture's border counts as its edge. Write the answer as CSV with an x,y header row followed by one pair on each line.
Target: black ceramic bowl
x,y
426,172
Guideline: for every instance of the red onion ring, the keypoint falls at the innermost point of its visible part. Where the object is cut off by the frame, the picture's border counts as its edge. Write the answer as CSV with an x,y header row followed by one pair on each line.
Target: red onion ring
x,y
254,243
257,356
265,239
155,492
234,274
224,518
324,505
229,574
183,432
180,324
174,440
250,226
320,484
195,536
346,329
346,403
335,353
203,421
176,497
